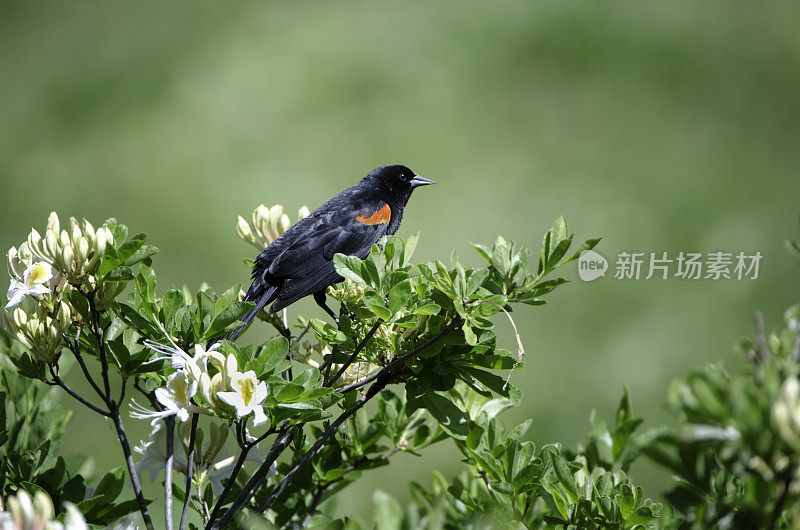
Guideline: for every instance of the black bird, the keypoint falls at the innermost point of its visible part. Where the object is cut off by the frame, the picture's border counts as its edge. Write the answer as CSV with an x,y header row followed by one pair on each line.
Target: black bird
x,y
300,262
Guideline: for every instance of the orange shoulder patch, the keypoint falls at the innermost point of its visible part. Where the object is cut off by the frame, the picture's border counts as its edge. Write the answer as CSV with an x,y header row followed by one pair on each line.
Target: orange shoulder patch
x,y
380,216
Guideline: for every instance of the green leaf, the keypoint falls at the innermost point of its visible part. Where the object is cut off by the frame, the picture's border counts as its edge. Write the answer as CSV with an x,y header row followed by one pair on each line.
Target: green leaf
x,y
399,295
349,267
564,475
272,353
228,319
626,500
388,512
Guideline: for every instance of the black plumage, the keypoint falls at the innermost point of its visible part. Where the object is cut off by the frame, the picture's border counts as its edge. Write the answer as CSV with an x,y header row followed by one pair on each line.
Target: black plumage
x,y
300,262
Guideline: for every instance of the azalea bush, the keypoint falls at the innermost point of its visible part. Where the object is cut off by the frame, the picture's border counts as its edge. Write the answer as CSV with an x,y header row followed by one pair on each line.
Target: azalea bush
x,y
264,435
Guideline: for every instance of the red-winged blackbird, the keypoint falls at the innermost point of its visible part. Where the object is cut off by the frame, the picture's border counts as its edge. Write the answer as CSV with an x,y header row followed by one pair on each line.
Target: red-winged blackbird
x,y
300,262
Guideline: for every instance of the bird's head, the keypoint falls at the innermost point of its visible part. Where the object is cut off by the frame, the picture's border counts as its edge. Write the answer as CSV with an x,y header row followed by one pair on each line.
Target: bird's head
x,y
398,180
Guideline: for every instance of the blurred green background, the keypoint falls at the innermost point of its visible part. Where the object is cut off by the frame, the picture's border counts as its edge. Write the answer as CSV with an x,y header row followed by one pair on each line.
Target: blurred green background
x,y
662,126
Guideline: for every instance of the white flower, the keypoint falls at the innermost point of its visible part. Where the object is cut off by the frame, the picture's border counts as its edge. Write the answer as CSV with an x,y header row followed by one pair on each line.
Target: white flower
x,y
247,396
175,398
35,282
193,365
74,520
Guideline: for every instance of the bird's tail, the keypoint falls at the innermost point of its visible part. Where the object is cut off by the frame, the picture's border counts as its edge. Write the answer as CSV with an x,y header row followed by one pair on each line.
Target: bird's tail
x,y
261,299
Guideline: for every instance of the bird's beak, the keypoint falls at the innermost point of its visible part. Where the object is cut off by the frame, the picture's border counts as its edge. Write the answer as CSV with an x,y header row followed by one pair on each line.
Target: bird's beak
x,y
421,181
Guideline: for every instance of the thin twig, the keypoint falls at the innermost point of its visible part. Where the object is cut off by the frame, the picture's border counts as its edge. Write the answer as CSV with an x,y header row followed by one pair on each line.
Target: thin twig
x,y
356,351
72,393
187,495
169,422
281,443
75,348
761,338
99,334
367,380
385,376
520,348
126,450
247,447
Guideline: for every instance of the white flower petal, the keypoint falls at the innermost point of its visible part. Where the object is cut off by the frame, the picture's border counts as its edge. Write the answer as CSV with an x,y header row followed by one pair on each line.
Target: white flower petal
x,y
15,296
234,399
259,416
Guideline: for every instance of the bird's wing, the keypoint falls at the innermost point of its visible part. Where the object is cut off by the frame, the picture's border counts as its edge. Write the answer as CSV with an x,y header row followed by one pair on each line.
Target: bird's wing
x,y
351,230
306,265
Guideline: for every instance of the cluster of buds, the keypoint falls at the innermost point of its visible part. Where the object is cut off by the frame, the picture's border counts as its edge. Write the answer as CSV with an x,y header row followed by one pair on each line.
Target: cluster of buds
x,y
305,352
785,413
23,513
347,292
227,393
268,225
39,328
75,251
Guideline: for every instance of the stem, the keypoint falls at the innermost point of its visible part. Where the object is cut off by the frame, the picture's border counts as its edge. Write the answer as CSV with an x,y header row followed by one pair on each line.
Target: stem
x,y
373,390
384,377
169,422
75,348
72,393
244,496
187,495
520,349
126,450
98,332
248,446
355,353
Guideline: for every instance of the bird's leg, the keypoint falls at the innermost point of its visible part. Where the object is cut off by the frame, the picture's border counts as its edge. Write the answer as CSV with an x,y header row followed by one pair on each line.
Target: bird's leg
x,y
319,298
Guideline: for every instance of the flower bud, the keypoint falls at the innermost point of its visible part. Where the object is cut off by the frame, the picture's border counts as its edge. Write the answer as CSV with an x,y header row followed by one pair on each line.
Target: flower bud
x,y
88,232
52,222
109,236
11,258
204,385
63,239
275,214
64,315
231,366
42,505
243,229
51,244
74,230
67,255
35,241
284,224
785,413
82,250
25,252
20,317
303,212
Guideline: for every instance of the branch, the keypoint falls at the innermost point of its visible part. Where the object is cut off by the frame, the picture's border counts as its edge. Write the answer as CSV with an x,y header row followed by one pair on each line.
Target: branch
x,y
187,496
169,422
285,436
98,332
75,348
72,393
355,353
126,450
400,360
248,446
384,377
